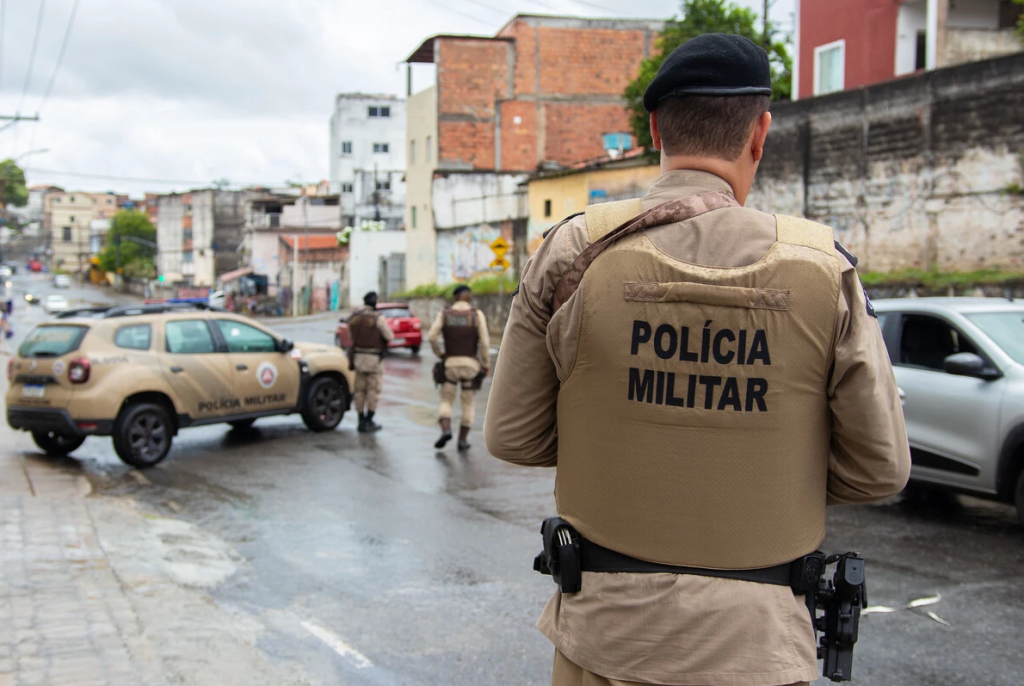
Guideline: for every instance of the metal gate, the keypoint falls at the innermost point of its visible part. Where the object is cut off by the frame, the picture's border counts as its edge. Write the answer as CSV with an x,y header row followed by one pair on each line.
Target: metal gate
x,y
392,274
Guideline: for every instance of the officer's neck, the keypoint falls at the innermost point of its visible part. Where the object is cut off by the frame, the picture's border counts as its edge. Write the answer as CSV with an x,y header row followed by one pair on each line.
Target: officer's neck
x,y
733,173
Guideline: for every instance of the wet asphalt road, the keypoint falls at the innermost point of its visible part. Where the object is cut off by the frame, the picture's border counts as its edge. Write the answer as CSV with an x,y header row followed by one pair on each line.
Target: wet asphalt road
x,y
374,559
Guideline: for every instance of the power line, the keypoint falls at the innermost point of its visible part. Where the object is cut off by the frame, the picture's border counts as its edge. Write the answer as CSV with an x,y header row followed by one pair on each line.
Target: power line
x,y
60,56
465,14
32,55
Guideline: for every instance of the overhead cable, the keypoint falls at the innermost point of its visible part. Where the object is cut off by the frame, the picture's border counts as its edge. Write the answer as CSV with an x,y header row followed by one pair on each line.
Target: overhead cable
x,y
60,56
32,55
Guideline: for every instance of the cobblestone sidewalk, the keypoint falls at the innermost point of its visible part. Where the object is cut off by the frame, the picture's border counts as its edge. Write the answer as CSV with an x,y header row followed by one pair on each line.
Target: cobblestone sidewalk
x,y
64,617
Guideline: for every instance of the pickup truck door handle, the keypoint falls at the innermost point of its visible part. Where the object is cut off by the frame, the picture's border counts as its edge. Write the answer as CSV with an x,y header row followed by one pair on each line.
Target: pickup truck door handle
x,y
241,367
177,370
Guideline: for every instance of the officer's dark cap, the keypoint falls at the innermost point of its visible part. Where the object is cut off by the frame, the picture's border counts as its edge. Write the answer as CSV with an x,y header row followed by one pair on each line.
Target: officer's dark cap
x,y
711,64
370,298
460,289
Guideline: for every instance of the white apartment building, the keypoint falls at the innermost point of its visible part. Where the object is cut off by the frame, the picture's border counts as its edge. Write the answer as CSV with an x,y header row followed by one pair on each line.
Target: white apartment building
x,y
367,159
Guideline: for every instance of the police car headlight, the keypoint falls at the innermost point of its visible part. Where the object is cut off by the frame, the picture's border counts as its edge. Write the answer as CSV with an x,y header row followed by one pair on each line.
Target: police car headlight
x,y
296,354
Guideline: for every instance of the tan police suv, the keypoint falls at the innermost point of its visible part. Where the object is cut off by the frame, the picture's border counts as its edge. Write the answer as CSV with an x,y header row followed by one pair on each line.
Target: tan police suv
x,y
141,373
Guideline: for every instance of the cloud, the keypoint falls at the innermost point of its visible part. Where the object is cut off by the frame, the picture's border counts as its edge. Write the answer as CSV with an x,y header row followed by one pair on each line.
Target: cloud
x,y
204,89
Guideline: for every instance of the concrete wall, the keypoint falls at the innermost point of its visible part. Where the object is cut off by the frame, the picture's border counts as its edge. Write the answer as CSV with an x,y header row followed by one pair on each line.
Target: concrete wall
x,y
170,212
365,250
203,272
909,173
420,264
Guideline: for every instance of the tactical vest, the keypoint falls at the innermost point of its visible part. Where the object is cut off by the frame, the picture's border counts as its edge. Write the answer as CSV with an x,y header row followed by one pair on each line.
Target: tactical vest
x,y
460,333
366,337
694,427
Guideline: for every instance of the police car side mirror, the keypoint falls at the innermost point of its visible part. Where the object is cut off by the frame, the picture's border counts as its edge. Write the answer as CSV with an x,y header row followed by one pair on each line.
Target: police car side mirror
x,y
969,364
284,345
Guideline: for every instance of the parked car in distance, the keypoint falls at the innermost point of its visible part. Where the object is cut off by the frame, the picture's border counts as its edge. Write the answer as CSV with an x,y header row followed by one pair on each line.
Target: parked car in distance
x,y
959,363
62,281
402,322
31,298
35,266
217,299
55,303
5,271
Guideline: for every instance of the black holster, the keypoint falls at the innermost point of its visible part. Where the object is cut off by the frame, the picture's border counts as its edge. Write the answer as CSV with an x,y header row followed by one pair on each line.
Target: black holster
x,y
567,555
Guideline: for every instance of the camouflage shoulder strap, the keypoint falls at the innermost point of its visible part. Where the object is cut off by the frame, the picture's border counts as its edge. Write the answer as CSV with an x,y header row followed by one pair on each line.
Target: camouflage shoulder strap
x,y
667,213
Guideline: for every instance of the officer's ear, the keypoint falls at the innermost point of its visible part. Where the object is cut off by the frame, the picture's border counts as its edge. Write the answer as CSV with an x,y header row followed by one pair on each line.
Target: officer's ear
x,y
655,134
759,134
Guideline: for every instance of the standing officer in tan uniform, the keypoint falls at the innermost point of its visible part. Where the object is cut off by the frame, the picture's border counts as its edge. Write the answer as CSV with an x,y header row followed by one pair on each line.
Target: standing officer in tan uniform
x,y
705,378
370,335
467,359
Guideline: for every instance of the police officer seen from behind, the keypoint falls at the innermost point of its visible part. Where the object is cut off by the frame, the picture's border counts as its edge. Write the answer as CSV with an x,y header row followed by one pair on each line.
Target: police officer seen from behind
x,y
370,335
705,378
467,359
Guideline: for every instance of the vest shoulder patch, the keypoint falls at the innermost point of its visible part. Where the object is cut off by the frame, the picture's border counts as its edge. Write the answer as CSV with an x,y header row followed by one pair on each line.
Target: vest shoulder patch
x,y
605,216
799,231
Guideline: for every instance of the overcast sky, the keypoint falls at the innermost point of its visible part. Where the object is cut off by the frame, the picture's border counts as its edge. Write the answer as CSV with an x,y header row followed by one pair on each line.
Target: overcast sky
x,y
195,90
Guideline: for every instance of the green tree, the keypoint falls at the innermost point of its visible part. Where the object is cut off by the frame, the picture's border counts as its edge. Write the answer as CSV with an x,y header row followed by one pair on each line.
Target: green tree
x,y
700,17
1020,19
12,184
137,259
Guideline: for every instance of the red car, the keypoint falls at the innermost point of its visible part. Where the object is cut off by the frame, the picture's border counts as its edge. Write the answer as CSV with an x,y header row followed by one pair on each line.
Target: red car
x,y
406,327
35,266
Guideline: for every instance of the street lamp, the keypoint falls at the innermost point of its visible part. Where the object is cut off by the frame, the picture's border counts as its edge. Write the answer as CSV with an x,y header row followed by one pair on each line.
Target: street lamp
x,y
35,152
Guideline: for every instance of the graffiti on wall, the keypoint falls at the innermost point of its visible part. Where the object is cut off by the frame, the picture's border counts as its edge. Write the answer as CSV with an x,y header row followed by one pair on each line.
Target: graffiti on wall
x,y
465,253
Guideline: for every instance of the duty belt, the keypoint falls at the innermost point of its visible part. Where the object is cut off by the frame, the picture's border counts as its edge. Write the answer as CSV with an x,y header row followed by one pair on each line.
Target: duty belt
x,y
566,555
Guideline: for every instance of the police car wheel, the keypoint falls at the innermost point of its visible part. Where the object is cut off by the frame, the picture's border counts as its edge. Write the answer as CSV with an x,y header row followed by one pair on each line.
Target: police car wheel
x,y
325,404
56,444
242,423
142,434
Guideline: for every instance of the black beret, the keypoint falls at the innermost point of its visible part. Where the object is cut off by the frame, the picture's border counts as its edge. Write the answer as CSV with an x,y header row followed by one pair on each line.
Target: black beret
x,y
370,298
711,64
460,289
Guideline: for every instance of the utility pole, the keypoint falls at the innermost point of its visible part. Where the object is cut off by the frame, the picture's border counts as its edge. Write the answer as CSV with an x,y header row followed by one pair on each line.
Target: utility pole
x,y
308,277
765,36
295,276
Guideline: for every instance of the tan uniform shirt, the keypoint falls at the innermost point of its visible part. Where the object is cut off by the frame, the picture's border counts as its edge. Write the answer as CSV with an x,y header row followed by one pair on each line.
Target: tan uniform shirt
x,y
483,346
369,363
683,629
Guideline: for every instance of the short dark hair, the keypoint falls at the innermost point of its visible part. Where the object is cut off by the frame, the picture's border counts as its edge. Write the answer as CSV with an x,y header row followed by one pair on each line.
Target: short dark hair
x,y
460,289
708,125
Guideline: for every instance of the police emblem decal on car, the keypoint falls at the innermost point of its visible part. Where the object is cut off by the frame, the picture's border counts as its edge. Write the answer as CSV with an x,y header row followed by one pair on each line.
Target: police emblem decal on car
x,y
58,367
266,374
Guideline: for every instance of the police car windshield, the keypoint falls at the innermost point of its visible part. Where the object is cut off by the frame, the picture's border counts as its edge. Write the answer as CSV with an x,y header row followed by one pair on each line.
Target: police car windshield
x,y
52,341
1006,329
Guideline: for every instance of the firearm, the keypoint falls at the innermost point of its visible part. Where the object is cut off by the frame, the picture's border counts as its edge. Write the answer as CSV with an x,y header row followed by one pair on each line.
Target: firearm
x,y
841,600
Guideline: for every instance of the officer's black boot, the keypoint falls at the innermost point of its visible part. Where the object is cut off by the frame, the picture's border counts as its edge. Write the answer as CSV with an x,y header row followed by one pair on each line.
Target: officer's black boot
x,y
362,422
370,425
464,438
446,432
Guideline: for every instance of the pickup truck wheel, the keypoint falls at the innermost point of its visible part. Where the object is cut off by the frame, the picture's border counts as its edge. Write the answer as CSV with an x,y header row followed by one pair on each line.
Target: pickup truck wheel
x,y
325,404
1019,498
57,444
142,434
242,424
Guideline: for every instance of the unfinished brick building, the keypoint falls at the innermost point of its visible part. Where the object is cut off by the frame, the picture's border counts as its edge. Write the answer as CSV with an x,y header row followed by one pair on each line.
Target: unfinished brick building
x,y
543,90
